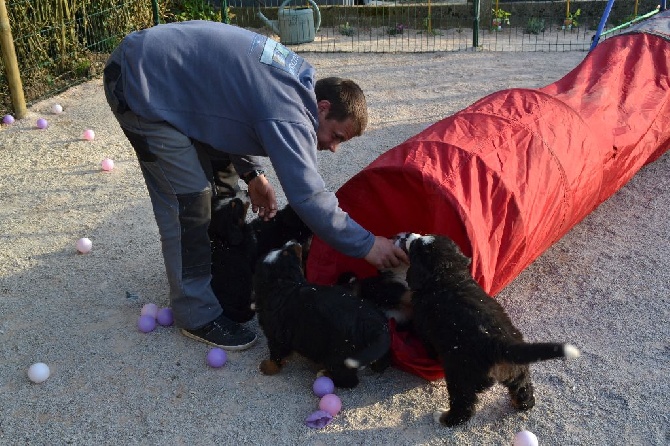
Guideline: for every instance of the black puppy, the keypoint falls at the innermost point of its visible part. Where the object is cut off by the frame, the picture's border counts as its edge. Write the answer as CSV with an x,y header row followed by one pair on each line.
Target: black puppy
x,y
468,330
233,256
237,245
325,324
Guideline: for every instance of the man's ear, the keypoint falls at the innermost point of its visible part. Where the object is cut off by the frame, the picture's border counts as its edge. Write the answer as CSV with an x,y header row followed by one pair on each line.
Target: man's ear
x,y
323,105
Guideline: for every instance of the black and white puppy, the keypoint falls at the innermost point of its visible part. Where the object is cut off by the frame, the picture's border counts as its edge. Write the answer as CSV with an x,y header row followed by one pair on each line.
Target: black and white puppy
x,y
325,324
388,290
468,330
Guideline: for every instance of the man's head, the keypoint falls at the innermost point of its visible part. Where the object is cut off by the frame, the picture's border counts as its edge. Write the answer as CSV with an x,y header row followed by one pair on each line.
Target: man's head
x,y
343,112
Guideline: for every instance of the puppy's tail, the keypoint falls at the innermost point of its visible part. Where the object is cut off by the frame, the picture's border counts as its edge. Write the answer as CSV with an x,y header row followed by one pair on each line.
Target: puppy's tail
x,y
526,353
374,351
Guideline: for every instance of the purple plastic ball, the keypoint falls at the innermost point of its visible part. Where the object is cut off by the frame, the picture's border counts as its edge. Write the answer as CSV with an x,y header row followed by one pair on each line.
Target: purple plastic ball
x,y
164,317
8,119
146,324
216,357
323,386
42,123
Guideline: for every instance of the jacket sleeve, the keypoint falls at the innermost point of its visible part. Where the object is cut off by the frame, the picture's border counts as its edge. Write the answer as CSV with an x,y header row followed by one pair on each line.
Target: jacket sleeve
x,y
291,148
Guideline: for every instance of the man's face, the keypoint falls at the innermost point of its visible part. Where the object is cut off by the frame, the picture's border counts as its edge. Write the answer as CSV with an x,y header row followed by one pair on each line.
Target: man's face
x,y
331,132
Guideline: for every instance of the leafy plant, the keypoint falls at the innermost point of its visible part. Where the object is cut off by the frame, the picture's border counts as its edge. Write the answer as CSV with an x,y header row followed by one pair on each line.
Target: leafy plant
x,y
571,19
347,30
395,30
428,27
534,26
500,17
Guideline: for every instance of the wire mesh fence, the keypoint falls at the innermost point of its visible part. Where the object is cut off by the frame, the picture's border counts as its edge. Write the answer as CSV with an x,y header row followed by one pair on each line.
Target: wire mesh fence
x,y
60,43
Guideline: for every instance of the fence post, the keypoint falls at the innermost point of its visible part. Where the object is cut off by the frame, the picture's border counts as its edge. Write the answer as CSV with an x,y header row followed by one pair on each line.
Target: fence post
x,y
11,64
154,9
475,24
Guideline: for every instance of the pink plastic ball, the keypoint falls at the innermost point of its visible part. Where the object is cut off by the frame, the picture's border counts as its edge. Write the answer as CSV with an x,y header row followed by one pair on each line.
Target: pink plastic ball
x,y
146,324
216,357
42,123
88,135
84,245
165,317
8,119
330,403
149,310
107,164
323,386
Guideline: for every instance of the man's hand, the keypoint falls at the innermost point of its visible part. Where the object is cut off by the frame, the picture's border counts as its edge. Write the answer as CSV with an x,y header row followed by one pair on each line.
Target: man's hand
x,y
384,254
262,195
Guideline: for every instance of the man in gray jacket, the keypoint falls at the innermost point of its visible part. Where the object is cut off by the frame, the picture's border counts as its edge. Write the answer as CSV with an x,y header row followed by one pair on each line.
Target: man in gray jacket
x,y
194,94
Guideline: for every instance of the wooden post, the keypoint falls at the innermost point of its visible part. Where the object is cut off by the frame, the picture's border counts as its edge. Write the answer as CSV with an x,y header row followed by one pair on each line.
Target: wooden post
x,y
11,64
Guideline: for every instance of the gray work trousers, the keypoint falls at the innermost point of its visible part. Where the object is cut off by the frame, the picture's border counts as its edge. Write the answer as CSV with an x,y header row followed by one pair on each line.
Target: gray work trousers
x,y
179,177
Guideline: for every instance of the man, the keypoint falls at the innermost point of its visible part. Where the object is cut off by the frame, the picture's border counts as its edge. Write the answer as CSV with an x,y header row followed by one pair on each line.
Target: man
x,y
193,95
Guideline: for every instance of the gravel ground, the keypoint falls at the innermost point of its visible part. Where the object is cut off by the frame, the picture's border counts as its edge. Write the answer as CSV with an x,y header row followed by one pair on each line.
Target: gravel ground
x,y
604,287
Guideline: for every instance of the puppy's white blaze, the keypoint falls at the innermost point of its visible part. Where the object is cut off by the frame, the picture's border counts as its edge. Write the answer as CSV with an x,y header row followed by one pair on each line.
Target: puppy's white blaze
x,y
253,306
398,315
427,239
438,413
571,352
352,363
271,257
410,238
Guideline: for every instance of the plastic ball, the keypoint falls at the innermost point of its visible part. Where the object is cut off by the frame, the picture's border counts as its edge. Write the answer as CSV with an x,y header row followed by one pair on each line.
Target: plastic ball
x,y
323,386
318,419
107,164
38,372
8,119
165,317
57,109
216,357
525,438
330,403
88,135
149,310
84,245
145,324
42,123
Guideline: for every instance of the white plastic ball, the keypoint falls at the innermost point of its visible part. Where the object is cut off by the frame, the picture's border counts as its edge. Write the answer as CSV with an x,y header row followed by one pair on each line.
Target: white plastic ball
x,y
525,438
38,372
57,109
84,245
149,310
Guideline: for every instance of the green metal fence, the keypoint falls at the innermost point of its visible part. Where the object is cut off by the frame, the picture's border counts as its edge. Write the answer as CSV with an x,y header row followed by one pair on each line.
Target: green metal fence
x,y
60,43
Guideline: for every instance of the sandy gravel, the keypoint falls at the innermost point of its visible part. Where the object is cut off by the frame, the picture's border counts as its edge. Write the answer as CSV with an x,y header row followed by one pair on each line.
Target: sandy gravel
x,y
604,287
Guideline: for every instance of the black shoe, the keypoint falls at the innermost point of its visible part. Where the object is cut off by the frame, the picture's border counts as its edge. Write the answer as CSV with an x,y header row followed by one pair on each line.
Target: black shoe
x,y
223,333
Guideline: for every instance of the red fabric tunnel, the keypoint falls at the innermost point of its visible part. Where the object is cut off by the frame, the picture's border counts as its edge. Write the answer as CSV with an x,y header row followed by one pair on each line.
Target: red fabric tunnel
x,y
508,176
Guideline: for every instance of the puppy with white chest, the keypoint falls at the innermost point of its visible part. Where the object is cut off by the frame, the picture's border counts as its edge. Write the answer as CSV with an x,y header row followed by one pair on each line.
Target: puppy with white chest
x,y
468,330
325,324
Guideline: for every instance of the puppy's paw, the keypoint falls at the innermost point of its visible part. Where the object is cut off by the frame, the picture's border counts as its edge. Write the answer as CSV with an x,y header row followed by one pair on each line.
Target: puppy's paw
x,y
269,367
437,415
451,418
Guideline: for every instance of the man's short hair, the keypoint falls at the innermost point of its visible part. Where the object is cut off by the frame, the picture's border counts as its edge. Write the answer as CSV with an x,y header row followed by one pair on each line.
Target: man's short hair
x,y
346,101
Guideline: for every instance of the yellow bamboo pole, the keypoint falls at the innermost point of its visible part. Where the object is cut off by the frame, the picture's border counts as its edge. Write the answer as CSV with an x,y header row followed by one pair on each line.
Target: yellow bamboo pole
x,y
11,64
